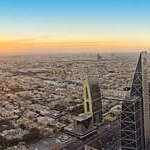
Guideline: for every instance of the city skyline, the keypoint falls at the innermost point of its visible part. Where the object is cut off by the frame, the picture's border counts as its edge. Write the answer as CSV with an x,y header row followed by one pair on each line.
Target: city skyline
x,y
74,26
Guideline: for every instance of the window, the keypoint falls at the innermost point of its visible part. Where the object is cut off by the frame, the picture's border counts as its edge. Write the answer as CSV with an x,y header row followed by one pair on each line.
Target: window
x,y
88,106
87,96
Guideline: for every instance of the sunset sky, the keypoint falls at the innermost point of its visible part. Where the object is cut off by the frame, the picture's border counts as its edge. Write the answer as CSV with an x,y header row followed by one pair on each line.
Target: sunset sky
x,y
74,25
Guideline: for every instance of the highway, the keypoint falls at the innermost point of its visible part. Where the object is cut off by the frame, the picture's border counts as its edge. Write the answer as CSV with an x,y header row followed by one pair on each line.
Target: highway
x,y
112,99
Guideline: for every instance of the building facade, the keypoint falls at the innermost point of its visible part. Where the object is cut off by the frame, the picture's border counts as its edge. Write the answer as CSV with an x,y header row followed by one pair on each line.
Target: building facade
x,y
135,115
131,123
92,99
83,124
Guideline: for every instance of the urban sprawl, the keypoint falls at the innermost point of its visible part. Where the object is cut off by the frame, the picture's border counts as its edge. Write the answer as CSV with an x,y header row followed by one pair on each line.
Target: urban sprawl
x,y
82,101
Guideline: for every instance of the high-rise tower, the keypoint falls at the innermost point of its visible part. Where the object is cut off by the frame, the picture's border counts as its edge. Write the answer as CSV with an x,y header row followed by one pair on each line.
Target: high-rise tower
x,y
98,57
135,115
92,98
131,133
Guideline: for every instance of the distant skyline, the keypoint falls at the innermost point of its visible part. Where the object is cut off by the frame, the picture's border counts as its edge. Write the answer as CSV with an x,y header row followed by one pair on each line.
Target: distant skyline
x,y
33,26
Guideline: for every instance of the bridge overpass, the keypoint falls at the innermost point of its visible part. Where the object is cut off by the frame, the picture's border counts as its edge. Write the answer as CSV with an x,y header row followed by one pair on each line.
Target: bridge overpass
x,y
112,99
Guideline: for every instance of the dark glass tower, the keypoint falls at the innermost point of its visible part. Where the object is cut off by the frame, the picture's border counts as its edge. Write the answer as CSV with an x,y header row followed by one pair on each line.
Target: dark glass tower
x,y
92,99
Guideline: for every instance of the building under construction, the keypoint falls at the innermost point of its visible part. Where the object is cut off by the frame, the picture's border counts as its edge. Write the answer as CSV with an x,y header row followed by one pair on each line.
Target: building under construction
x,y
135,115
92,99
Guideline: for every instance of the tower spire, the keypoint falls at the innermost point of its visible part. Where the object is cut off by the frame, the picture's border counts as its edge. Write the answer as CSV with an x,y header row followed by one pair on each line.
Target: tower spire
x,y
135,115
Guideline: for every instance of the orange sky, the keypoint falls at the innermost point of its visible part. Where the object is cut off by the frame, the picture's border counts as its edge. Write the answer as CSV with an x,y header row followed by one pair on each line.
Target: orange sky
x,y
12,46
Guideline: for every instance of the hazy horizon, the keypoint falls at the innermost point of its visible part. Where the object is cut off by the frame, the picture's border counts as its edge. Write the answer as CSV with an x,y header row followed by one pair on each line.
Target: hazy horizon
x,y
70,52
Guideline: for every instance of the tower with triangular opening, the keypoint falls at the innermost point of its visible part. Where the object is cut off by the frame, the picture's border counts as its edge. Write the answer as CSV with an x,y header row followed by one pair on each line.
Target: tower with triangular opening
x,y
92,98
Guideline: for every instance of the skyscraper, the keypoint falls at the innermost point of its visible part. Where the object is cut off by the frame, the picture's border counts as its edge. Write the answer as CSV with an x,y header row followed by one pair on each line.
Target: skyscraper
x,y
135,115
92,98
98,57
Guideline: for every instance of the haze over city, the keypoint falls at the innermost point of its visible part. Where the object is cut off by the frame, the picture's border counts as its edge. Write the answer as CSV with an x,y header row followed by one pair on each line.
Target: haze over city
x,y
36,26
